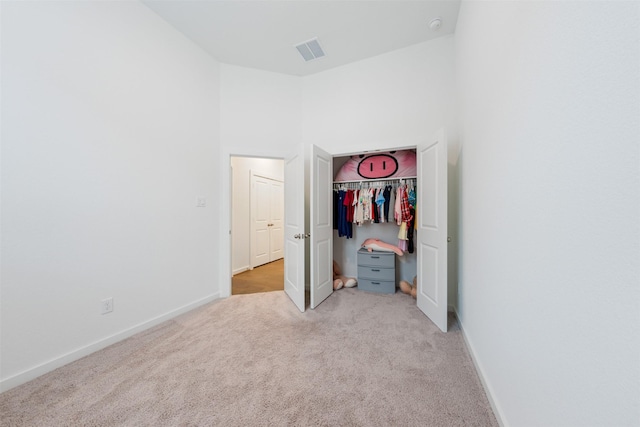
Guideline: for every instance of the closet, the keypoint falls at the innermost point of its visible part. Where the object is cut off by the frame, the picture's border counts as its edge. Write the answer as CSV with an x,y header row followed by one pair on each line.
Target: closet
x,y
311,247
382,227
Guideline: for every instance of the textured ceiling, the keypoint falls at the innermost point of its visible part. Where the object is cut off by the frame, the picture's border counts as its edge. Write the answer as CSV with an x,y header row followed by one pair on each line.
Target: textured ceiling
x,y
262,34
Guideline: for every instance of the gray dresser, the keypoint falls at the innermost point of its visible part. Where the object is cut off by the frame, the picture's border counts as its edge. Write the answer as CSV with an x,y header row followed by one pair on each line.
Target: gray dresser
x,y
377,271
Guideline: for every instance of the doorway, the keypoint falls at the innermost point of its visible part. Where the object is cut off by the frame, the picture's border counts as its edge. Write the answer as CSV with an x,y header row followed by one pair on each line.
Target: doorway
x,y
257,206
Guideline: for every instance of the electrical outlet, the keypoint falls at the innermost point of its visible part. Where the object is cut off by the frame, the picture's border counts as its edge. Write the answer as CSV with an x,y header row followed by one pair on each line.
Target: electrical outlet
x,y
106,306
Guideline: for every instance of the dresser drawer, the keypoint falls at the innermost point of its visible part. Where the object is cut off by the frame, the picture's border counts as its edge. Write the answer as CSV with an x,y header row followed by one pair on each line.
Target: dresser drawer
x,y
376,259
377,273
379,286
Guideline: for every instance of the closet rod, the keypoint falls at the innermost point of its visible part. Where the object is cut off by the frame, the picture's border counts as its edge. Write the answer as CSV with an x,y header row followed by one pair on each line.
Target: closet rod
x,y
358,185
360,181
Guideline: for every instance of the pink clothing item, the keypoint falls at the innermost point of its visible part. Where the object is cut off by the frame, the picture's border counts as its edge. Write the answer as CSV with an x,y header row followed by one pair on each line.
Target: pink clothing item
x,y
379,245
397,210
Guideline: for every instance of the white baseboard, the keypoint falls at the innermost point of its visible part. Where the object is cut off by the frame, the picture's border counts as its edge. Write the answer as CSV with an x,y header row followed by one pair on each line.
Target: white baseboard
x,y
32,373
240,270
485,384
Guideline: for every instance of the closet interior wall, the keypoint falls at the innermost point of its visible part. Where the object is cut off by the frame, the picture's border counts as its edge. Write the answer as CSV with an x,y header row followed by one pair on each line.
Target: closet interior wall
x,y
345,250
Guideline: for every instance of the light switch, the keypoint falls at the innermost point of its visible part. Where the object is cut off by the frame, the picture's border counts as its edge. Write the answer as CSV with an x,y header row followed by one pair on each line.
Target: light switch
x,y
201,203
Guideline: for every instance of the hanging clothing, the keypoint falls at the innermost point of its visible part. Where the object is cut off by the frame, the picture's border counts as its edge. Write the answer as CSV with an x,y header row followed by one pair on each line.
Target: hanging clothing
x,y
374,211
359,215
366,202
335,209
397,210
410,225
348,202
405,218
348,214
402,236
404,206
411,195
344,227
380,203
341,217
354,206
386,194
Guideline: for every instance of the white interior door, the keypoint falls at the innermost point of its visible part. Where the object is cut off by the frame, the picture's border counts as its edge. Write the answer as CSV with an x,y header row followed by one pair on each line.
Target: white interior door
x,y
321,217
294,228
267,215
260,221
432,229
276,221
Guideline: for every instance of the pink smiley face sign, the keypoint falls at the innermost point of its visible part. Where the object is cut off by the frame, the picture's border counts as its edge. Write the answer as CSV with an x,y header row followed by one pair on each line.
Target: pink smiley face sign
x,y
391,164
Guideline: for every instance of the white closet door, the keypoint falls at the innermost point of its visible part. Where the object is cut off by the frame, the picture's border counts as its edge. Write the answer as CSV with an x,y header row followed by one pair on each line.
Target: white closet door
x,y
294,228
432,229
321,217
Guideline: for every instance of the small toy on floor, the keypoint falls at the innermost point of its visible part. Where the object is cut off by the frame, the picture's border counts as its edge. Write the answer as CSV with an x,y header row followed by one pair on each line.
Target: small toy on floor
x,y
339,280
409,288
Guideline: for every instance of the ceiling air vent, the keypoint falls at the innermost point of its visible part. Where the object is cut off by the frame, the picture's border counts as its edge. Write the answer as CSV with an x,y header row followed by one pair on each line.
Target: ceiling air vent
x,y
310,49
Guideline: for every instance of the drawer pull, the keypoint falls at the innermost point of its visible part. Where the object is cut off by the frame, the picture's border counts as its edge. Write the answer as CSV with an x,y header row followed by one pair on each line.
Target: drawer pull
x,y
374,257
375,283
375,269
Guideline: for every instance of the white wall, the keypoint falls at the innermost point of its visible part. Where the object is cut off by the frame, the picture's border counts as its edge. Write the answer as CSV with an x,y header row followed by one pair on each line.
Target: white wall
x,y
398,99
549,295
110,132
242,168
392,100
260,111
260,116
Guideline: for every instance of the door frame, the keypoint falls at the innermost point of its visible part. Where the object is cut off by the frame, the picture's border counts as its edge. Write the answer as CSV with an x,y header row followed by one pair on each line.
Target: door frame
x,y
439,134
224,248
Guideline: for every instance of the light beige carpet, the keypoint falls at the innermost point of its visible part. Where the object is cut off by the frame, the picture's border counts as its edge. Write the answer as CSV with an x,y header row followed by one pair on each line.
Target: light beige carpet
x,y
359,359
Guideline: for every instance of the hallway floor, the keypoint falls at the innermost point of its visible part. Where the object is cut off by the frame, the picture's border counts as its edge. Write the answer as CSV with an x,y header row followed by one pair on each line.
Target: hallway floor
x,y
266,278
